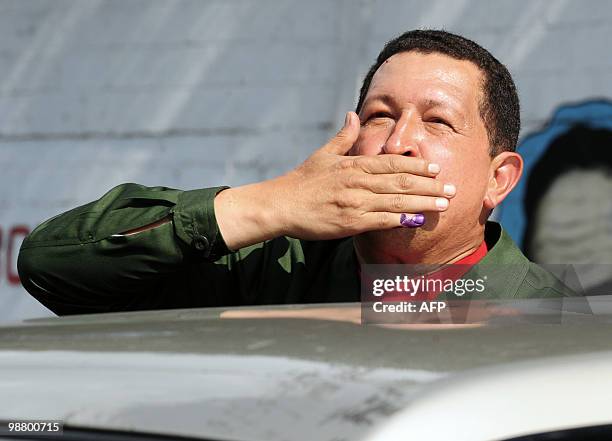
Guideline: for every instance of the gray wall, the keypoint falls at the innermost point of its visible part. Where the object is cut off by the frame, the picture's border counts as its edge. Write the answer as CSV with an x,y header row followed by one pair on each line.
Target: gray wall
x,y
188,93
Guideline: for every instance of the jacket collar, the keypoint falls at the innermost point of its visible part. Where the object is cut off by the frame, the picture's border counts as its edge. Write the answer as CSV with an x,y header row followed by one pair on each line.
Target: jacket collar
x,y
504,265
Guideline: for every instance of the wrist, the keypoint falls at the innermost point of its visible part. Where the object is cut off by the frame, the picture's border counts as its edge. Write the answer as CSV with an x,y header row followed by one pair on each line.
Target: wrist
x,y
277,215
246,215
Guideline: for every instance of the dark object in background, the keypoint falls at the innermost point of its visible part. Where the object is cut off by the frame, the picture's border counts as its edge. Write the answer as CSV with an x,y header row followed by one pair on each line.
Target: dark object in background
x,y
568,206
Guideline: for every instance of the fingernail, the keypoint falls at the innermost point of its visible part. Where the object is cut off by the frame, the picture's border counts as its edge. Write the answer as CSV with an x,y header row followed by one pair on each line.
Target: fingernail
x,y
347,119
433,168
412,220
441,202
449,189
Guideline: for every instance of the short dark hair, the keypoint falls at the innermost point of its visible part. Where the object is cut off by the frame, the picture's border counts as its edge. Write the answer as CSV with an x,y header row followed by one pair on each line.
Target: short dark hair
x,y
499,108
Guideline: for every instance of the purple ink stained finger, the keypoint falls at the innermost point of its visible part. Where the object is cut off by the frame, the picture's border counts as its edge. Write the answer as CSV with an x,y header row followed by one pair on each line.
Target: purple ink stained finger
x,y
412,221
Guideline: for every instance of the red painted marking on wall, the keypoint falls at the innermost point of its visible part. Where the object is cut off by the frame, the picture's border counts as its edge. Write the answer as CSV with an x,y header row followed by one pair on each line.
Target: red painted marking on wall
x,y
15,236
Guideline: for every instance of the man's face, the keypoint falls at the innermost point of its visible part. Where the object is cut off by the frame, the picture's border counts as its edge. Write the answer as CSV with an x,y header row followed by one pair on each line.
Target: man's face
x,y
427,105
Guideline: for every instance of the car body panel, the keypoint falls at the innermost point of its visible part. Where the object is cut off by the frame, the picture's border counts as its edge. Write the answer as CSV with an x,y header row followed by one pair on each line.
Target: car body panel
x,y
511,401
194,373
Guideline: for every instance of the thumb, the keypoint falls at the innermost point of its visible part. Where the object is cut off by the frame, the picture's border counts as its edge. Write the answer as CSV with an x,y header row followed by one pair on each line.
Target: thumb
x,y
346,137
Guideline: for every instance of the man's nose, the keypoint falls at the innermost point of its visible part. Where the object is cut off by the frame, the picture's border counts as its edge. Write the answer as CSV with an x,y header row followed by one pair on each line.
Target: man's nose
x,y
403,138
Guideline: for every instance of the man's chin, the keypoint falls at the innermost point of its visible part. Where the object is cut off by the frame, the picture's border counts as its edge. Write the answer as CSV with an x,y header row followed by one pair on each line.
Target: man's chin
x,y
396,242
401,244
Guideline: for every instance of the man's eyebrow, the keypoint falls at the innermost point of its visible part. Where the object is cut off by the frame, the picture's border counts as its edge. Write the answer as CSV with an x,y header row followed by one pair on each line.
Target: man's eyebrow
x,y
434,103
384,97
389,100
450,105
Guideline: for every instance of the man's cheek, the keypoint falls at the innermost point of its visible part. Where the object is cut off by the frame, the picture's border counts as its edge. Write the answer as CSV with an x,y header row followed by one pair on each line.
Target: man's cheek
x,y
468,198
366,144
449,173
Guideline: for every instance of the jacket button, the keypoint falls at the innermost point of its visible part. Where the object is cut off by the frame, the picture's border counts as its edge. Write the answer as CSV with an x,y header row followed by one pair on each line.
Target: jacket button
x,y
201,243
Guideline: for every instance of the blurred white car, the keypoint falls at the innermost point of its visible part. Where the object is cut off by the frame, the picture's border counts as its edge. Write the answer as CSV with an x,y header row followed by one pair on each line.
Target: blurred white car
x,y
309,373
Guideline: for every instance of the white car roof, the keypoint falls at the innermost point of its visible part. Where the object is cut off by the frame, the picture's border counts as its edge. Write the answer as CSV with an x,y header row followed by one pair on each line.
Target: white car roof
x,y
194,373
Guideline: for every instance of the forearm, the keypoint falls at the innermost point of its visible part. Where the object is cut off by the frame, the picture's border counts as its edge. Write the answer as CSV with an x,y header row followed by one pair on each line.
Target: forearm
x,y
117,250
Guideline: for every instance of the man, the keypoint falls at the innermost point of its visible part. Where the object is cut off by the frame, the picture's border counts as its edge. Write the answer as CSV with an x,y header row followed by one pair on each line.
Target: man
x,y
411,179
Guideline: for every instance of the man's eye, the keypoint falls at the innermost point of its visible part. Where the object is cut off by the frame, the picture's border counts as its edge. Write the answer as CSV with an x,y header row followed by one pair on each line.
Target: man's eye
x,y
441,121
378,116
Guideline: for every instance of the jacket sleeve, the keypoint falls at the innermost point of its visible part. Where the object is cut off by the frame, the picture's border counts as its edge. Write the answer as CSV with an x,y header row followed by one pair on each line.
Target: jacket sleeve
x,y
111,254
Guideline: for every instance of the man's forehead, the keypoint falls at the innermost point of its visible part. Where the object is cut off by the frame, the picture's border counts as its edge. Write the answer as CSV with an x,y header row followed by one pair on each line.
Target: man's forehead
x,y
435,78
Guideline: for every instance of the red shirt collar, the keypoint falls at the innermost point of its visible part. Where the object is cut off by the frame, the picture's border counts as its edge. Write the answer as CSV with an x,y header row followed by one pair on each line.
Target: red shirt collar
x,y
452,271
475,257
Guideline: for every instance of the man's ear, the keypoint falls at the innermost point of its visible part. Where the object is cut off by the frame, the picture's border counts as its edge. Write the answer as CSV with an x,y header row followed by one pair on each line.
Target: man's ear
x,y
504,173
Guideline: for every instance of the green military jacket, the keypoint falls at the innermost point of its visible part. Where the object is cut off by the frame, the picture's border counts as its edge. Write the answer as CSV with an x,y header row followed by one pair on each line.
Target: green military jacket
x,y
81,262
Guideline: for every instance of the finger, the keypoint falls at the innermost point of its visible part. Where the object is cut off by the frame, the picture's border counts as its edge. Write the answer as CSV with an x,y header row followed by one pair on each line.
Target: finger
x,y
346,137
402,183
384,220
385,164
400,203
